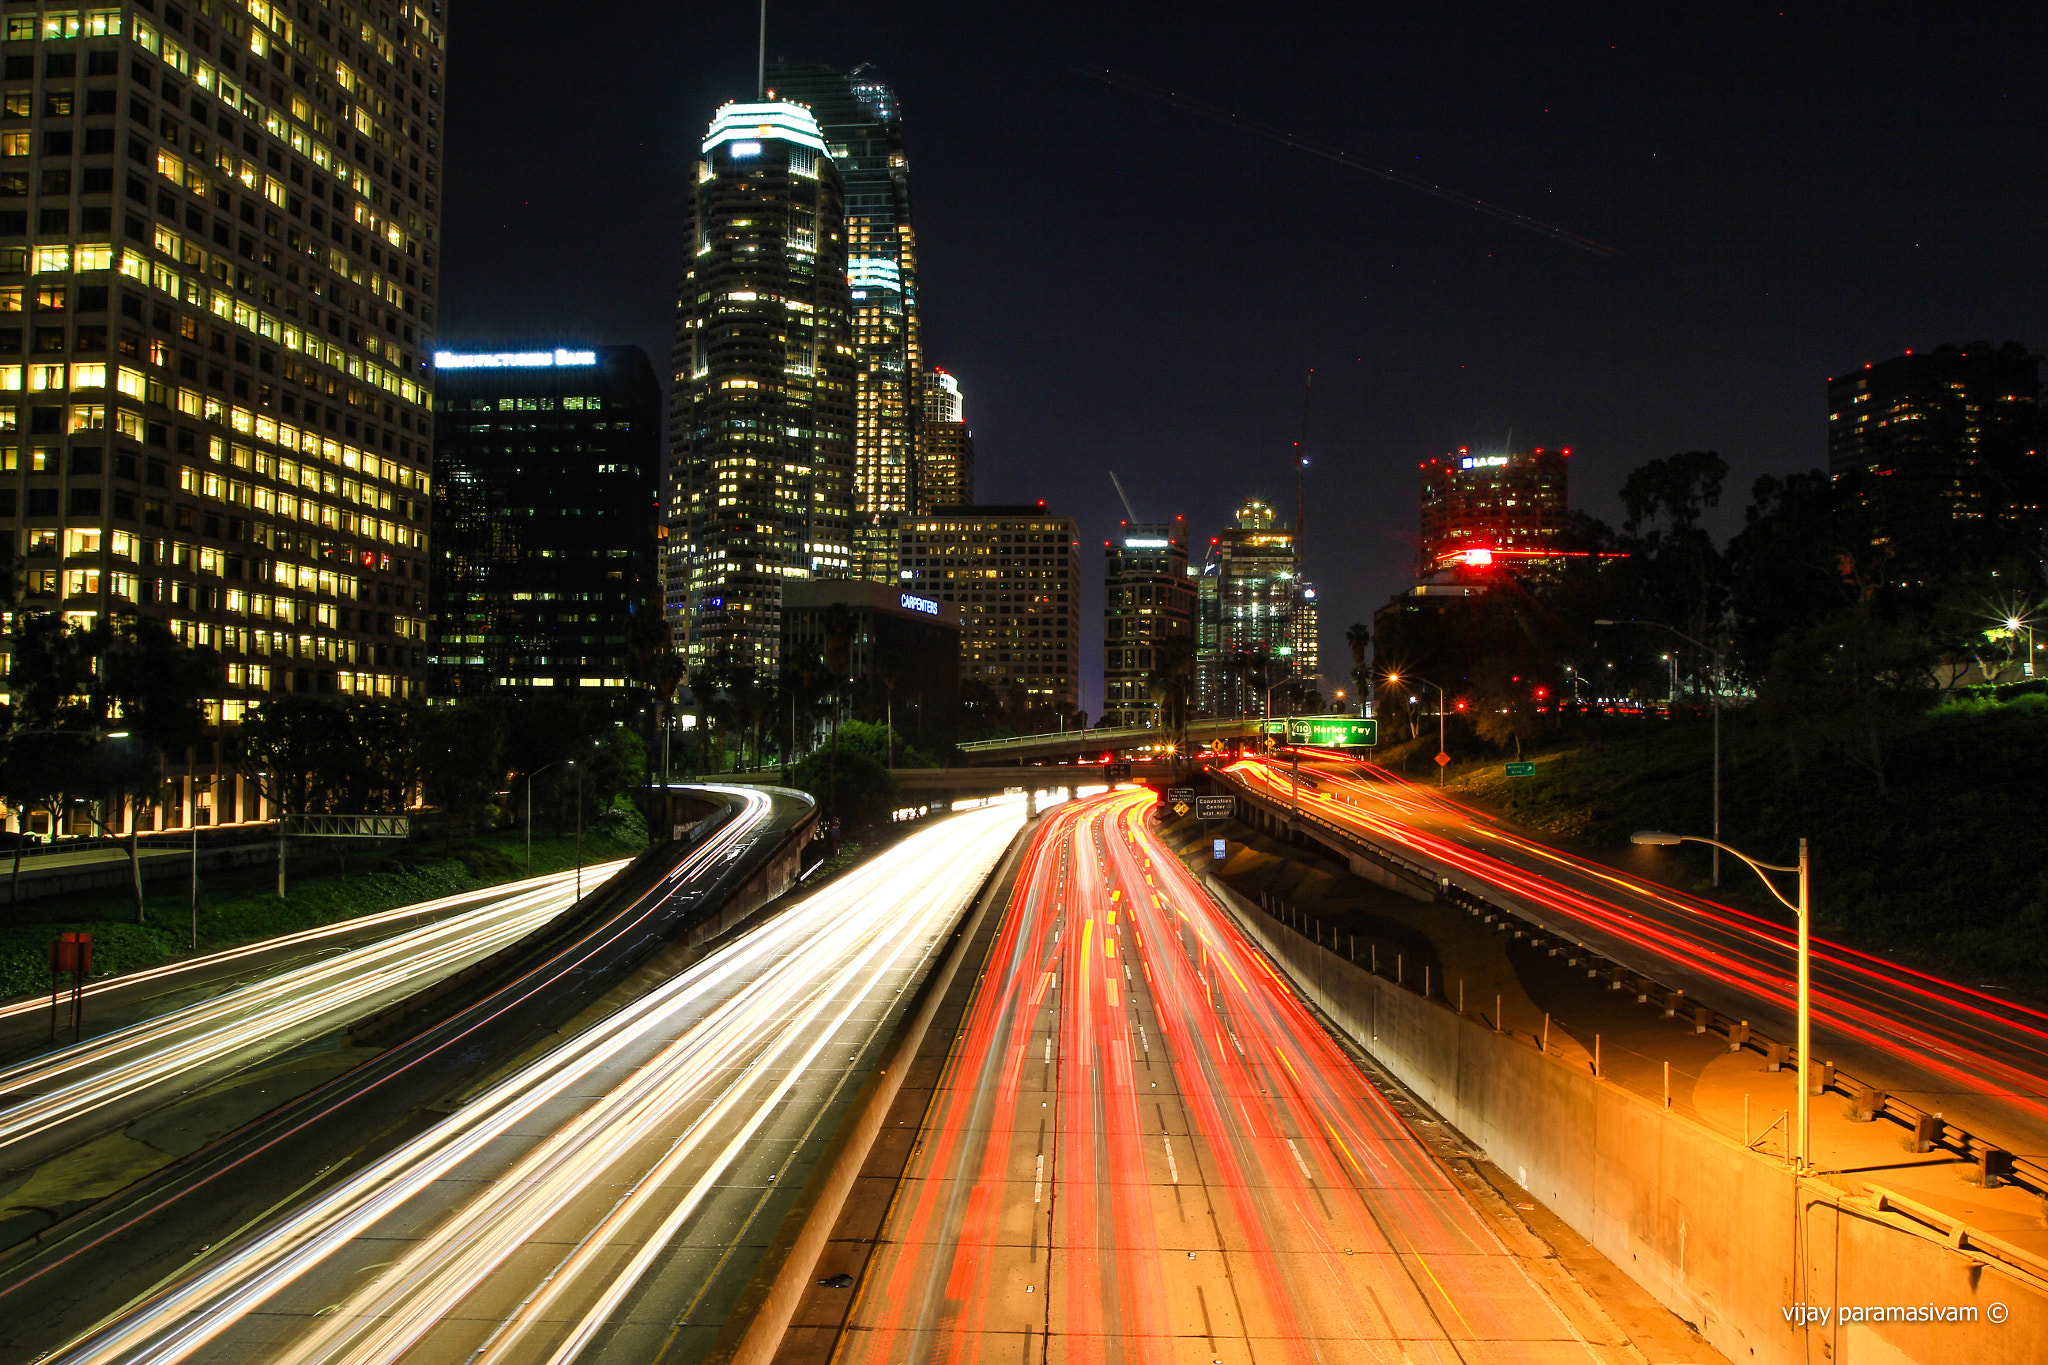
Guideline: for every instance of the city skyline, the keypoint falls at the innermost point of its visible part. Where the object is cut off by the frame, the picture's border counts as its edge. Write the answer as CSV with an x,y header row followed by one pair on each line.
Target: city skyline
x,y
1714,327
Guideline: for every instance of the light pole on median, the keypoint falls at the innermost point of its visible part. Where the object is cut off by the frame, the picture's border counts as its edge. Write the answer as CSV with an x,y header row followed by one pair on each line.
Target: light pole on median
x,y
1659,625
1805,1043
579,827
529,809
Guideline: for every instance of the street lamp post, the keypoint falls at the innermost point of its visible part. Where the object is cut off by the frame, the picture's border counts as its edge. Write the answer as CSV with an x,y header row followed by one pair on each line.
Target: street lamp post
x,y
1805,1044
2017,624
579,827
1716,860
1441,707
529,808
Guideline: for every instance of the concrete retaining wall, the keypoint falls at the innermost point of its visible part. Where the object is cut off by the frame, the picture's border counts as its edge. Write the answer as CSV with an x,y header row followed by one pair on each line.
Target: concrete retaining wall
x,y
1705,1225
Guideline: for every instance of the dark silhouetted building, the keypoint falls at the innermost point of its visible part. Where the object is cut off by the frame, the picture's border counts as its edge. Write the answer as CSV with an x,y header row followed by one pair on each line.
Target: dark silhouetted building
x,y
1932,419
906,642
217,291
1149,598
1014,572
946,469
761,417
862,124
546,495
1479,508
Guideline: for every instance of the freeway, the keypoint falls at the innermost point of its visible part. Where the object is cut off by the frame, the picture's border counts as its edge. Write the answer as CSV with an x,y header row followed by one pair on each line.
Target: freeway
x,y
1980,1059
114,1002
591,1202
442,1043
60,1099
1146,1147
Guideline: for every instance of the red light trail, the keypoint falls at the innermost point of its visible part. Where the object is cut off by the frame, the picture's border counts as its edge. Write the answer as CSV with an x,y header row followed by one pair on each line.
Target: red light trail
x,y
1968,1039
1144,1139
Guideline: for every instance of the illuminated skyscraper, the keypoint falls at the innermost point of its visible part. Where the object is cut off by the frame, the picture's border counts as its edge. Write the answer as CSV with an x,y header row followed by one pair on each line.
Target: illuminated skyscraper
x,y
761,415
863,130
1476,508
946,467
1255,625
218,267
1149,598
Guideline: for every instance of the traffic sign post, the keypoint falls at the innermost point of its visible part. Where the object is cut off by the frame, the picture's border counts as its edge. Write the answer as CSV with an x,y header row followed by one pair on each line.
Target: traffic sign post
x,y
1216,807
1521,770
1334,732
70,953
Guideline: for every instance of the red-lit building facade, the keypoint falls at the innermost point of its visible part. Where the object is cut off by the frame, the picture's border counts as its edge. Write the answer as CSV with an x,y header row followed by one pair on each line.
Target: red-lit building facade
x,y
1478,508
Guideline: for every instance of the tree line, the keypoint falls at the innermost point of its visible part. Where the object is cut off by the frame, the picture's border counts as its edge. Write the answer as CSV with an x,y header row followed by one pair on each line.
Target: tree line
x,y
1839,606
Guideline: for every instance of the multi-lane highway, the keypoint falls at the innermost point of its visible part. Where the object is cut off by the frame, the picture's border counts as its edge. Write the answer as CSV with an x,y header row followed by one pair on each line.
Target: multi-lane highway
x,y
590,1204
1979,1058
1146,1148
65,1096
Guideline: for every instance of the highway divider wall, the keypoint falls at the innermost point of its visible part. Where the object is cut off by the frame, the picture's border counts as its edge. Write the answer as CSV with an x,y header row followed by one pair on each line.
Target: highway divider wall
x,y
1714,1231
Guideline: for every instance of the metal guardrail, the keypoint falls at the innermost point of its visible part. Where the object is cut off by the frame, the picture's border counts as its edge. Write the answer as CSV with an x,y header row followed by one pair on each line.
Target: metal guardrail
x,y
1931,1132
349,826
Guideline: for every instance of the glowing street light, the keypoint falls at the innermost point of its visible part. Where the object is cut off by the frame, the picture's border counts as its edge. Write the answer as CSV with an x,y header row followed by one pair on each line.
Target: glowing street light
x,y
1803,1159
1392,679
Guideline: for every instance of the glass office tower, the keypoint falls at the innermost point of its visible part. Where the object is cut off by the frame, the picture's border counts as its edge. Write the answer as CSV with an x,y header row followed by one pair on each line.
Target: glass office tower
x,y
546,470
762,411
862,124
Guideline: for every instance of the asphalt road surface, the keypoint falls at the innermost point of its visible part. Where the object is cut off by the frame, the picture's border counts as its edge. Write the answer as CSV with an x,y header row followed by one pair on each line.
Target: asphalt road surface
x,y
590,1203
1146,1148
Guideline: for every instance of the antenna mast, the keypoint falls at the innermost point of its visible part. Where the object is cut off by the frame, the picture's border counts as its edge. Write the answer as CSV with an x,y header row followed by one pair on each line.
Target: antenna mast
x,y
761,57
1123,495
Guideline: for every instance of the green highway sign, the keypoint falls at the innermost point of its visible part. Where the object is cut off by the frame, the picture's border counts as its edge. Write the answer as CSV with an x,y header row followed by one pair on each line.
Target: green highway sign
x,y
1337,732
1521,770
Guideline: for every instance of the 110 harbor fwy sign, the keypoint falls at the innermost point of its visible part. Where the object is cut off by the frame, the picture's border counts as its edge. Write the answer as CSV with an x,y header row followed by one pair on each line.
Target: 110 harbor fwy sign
x,y
1333,732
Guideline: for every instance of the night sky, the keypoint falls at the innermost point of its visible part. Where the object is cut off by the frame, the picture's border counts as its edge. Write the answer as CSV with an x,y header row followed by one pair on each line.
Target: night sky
x,y
1124,285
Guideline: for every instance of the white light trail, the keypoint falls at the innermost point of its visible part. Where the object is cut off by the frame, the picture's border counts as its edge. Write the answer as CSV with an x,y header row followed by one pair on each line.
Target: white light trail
x,y
669,1090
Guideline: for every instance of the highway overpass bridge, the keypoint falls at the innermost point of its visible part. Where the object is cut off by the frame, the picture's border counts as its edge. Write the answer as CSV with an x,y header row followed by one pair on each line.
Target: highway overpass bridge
x,y
1073,746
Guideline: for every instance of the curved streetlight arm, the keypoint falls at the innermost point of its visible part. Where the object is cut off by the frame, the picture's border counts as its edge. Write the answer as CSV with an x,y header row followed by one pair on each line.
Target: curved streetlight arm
x,y
1755,866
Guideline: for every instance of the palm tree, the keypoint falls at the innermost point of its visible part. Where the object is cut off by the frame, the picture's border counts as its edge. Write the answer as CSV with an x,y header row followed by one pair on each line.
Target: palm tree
x,y
1171,687
1358,637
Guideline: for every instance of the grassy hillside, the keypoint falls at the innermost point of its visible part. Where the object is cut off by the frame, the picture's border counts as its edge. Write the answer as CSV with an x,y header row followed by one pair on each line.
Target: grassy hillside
x,y
1947,867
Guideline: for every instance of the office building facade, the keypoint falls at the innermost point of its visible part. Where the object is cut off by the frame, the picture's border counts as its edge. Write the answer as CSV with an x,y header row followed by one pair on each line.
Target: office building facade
x,y
547,470
761,421
1482,509
862,125
946,468
1148,599
1255,623
1014,574
1936,421
218,266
